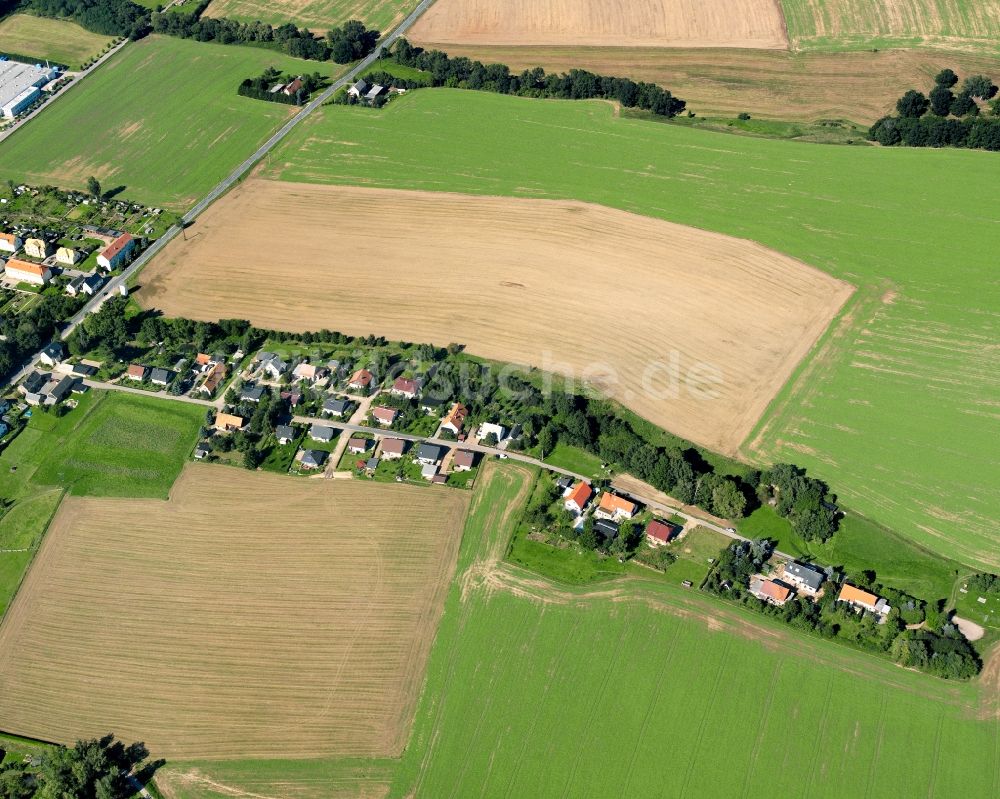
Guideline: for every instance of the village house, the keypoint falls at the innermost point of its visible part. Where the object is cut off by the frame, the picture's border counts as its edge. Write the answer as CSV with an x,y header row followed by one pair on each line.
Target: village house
x,y
361,380
32,386
322,433
161,377
84,284
27,272
405,387
293,397
312,458
274,367
863,600
371,465
68,256
202,451
216,374
486,429
430,454
37,248
10,242
770,591
614,507
578,497
117,252
84,370
805,578
52,354
429,471
334,406
202,361
252,393
308,371
227,422
607,529
357,446
284,433
455,418
136,372
463,461
660,532
393,448
384,416
359,89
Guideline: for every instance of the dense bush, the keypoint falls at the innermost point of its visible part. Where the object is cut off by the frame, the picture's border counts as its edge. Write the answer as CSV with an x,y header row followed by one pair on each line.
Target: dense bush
x,y
107,17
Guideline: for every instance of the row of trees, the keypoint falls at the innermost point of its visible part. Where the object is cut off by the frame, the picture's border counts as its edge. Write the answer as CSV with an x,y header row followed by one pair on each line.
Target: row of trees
x,y
944,118
577,84
107,17
937,648
259,88
95,769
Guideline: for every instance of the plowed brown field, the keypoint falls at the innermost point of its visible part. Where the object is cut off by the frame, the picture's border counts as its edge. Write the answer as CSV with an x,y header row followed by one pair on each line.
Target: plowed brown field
x,y
695,331
659,23
250,616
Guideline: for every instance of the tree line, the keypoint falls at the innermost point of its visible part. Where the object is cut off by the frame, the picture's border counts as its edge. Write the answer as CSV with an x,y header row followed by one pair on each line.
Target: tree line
x,y
944,118
577,84
107,17
936,647
259,88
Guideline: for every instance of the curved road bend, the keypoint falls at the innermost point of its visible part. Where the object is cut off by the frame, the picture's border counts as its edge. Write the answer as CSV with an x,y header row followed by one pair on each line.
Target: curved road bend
x,y
112,286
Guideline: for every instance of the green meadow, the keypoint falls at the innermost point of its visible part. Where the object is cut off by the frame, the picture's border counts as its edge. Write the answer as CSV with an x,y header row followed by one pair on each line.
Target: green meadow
x,y
896,408
160,123
638,688
111,444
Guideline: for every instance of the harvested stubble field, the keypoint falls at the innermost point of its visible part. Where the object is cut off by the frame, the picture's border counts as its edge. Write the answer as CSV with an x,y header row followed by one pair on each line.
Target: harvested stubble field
x,y
853,24
58,40
659,23
860,86
523,281
317,15
250,616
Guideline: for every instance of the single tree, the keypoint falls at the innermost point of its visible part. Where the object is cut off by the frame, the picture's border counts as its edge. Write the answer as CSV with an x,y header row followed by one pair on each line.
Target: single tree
x,y
941,99
963,105
94,187
979,86
946,77
913,104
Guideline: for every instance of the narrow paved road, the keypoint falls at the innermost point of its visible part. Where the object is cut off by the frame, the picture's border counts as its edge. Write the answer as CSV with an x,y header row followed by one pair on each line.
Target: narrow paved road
x,y
237,174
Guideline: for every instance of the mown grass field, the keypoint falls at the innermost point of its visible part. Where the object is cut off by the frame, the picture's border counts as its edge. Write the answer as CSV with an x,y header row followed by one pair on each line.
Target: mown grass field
x,y
55,39
317,15
110,445
896,407
632,688
160,123
867,24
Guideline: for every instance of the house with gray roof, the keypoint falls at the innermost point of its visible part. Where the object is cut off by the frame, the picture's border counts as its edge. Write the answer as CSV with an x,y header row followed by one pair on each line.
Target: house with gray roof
x,y
430,454
322,433
312,458
161,377
251,393
334,406
285,433
804,577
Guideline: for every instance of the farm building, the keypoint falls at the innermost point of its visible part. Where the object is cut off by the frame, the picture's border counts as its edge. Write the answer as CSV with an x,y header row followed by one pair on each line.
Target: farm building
x,y
359,89
405,387
226,422
806,578
770,591
612,506
27,272
659,532
10,242
578,497
68,256
117,252
384,416
455,418
393,448
863,600
20,84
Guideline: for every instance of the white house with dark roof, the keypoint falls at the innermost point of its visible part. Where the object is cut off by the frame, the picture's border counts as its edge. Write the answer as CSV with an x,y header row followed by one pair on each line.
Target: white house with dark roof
x,y
804,577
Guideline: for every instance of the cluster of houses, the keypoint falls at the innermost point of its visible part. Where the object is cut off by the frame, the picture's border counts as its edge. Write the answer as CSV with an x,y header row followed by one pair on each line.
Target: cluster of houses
x,y
41,387
804,579
365,92
36,259
610,510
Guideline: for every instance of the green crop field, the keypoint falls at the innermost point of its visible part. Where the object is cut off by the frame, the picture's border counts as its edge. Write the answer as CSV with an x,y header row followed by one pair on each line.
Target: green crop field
x,y
866,24
897,407
160,122
55,39
633,688
317,15
110,445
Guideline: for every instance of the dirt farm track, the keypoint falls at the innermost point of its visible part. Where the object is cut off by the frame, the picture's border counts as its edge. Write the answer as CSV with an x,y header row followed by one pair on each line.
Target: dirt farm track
x,y
210,626
621,23
694,331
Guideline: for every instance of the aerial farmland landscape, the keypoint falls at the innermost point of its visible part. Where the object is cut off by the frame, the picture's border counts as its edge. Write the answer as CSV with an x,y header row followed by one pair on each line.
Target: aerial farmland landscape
x,y
467,398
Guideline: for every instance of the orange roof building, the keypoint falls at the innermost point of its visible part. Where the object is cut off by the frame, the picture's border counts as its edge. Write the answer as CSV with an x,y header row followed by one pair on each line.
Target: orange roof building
x,y
455,418
858,597
227,421
361,379
770,591
612,505
27,272
578,498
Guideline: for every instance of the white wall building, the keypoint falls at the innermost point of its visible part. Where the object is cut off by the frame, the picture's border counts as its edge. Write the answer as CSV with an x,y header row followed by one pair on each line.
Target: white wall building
x,y
20,84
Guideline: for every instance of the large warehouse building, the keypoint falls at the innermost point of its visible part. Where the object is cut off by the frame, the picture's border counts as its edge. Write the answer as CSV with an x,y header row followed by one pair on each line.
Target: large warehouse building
x,y
19,85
